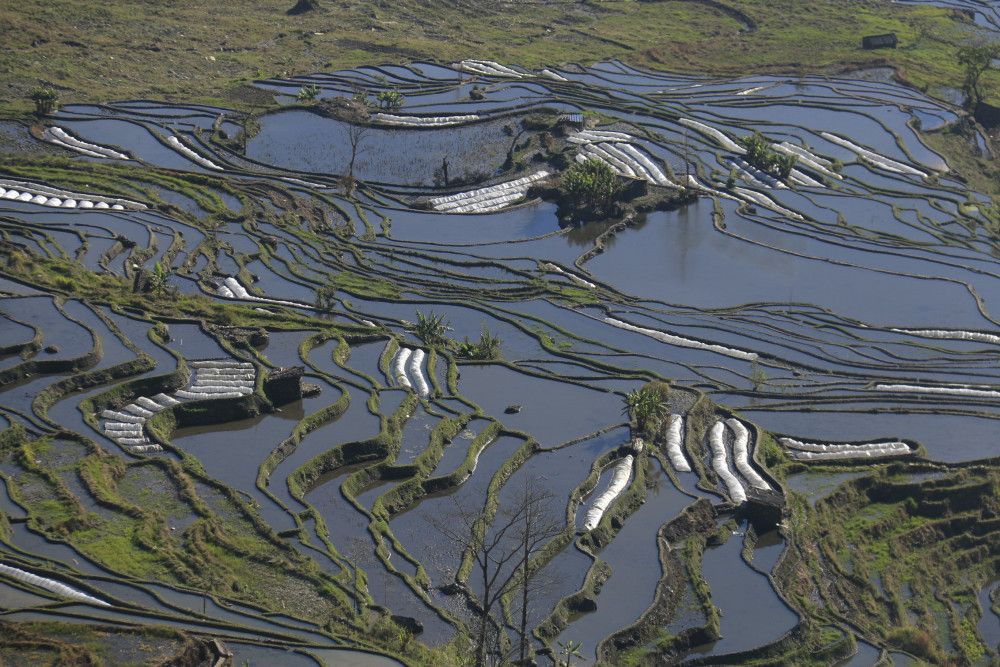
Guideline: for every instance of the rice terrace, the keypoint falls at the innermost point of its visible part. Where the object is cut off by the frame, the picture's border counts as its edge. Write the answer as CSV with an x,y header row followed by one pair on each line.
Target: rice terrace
x,y
485,333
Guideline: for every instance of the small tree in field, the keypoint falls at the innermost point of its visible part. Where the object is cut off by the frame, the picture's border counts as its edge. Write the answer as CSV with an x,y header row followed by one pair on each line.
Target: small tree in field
x,y
308,93
356,133
976,58
592,183
760,155
45,100
326,298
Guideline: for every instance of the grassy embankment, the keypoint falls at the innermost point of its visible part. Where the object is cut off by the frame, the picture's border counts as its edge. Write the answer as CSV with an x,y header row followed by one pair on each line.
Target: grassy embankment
x,y
202,54
198,52
900,556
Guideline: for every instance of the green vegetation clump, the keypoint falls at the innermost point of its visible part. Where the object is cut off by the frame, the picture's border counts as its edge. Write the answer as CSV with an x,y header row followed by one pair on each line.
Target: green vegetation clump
x,y
487,349
308,93
389,100
592,183
647,407
432,329
760,155
976,58
900,553
45,101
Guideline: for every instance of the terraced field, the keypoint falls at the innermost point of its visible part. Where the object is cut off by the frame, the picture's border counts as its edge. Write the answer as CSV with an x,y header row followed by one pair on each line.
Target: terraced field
x,y
832,327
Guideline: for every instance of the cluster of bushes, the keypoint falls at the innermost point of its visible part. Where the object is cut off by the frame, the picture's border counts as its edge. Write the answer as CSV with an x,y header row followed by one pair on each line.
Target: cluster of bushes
x,y
760,155
592,183
433,330
387,100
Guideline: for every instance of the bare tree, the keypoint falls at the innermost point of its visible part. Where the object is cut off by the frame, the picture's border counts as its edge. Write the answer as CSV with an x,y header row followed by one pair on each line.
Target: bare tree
x,y
502,549
538,525
356,133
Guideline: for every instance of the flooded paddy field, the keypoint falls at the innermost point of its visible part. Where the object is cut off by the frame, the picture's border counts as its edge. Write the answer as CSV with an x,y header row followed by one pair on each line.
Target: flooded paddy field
x,y
154,460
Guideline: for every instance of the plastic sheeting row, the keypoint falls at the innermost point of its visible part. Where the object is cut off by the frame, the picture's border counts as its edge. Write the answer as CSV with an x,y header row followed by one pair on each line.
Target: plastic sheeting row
x,y
125,426
767,202
488,67
232,289
245,365
740,456
619,480
627,161
487,199
754,176
720,463
946,334
422,121
682,342
213,379
178,146
880,161
220,379
415,368
50,585
675,447
55,198
60,137
807,159
741,450
575,278
37,189
597,136
718,135
957,390
816,451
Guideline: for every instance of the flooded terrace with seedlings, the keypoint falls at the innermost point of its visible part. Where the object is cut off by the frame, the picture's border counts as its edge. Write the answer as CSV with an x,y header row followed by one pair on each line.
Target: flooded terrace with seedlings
x,y
299,380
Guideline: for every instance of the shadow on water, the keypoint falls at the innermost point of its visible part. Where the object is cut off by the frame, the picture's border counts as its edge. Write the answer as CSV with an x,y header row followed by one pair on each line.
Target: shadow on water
x,y
635,565
752,613
989,624
817,485
232,452
866,656
301,140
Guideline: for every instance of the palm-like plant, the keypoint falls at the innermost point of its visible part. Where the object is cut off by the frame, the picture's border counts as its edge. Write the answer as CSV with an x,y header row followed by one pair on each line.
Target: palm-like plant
x,y
487,349
431,328
647,406
760,155
390,100
567,652
308,93
159,282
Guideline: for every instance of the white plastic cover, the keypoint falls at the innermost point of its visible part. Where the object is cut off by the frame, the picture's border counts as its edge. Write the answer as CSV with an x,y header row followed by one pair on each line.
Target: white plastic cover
x,y
619,480
721,465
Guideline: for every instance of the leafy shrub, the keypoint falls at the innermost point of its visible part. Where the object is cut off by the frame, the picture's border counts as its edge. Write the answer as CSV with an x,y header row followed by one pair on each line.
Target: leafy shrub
x,y
592,183
390,99
326,298
45,100
431,328
647,406
760,155
487,349
308,93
